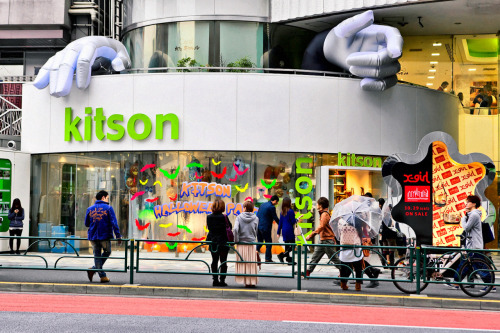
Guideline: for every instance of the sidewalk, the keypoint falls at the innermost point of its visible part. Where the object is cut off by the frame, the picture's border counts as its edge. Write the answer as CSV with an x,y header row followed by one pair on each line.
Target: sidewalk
x,y
176,285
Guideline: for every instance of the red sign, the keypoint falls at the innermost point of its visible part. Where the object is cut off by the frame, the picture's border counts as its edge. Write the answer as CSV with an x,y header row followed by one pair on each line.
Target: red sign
x,y
439,159
417,194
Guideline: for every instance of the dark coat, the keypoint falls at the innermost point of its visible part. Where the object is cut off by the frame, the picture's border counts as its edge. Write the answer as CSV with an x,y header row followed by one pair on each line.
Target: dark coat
x,y
16,220
216,224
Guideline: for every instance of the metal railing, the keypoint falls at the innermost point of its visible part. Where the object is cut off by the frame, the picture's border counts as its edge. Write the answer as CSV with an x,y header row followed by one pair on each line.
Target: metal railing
x,y
417,268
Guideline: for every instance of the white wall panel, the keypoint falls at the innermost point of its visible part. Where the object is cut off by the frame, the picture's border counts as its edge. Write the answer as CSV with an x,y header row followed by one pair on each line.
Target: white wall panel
x,y
399,120
247,112
263,112
210,112
78,100
359,121
36,118
141,11
303,8
312,117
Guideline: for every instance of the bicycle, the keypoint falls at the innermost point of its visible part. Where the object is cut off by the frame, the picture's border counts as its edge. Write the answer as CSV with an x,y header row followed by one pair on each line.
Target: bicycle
x,y
444,267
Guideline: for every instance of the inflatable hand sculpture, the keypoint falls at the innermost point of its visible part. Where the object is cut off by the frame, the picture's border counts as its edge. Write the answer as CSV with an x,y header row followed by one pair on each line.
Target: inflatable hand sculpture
x,y
80,55
365,49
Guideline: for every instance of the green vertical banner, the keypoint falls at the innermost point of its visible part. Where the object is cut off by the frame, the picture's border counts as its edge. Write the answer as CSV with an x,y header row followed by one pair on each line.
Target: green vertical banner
x,y
5,192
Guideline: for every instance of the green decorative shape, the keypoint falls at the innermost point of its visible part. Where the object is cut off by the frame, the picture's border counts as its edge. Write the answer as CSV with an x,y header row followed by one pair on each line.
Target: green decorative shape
x,y
483,47
263,182
171,176
185,228
146,214
171,247
191,165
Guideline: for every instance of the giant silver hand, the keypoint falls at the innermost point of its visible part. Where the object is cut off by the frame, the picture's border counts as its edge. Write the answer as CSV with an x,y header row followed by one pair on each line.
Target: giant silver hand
x,y
367,50
80,55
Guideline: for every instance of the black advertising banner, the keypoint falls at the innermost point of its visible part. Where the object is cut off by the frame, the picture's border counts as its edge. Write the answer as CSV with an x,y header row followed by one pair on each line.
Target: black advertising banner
x,y
415,206
434,194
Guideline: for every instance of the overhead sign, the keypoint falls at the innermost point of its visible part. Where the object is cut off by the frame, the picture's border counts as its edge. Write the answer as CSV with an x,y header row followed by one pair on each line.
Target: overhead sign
x,y
95,127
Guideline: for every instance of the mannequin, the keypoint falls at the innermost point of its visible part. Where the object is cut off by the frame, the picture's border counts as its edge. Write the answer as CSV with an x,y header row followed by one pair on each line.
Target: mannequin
x,y
291,194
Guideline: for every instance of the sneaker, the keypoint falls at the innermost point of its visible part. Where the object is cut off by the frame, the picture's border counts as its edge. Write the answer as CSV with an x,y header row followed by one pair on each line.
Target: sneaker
x,y
17,252
281,257
493,290
452,286
90,274
222,284
215,283
373,284
105,279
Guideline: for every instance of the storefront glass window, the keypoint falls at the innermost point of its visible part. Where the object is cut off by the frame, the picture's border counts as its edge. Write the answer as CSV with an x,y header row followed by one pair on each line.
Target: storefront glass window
x,y
241,42
65,185
188,40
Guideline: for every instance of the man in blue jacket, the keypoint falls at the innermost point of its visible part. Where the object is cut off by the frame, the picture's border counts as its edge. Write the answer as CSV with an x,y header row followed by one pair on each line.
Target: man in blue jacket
x,y
266,215
101,221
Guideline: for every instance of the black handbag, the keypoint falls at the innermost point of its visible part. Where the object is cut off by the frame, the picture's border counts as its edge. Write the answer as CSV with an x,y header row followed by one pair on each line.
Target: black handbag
x,y
487,234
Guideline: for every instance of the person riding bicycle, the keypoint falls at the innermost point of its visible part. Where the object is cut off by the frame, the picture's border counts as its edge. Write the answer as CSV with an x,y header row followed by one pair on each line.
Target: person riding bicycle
x,y
471,223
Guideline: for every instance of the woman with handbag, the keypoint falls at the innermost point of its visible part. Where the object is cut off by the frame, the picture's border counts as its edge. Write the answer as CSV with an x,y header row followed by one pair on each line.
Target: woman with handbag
x,y
245,231
286,228
351,233
217,224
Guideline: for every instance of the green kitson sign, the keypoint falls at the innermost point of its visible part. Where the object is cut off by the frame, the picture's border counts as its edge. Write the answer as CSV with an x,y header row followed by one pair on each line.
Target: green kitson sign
x,y
358,161
93,126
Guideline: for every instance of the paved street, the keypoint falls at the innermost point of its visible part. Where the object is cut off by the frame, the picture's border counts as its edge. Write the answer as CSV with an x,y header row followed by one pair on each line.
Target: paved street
x,y
22,312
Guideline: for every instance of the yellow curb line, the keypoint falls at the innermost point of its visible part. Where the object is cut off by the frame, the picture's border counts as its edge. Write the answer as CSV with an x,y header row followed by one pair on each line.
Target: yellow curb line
x,y
253,291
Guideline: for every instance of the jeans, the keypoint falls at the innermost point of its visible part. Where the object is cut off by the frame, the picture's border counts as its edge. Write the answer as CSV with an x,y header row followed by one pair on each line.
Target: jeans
x,y
485,275
265,236
220,254
102,250
15,232
319,251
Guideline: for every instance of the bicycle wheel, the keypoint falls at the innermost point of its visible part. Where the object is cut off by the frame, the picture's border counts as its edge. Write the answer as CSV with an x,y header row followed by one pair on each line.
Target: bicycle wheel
x,y
469,273
402,271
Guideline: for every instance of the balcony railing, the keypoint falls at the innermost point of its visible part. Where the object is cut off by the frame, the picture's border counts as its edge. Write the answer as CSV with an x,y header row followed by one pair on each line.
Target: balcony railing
x,y
482,111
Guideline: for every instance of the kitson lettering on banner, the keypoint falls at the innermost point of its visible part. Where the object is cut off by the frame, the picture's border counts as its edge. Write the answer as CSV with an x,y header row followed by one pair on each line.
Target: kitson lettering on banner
x,y
99,126
197,189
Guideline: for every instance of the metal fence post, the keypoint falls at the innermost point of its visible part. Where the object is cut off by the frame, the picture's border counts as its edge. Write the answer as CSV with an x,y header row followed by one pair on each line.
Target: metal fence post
x,y
418,269
299,267
132,248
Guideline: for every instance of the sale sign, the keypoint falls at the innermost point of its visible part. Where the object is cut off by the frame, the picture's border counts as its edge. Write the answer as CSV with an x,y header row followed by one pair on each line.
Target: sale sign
x,y
452,183
434,194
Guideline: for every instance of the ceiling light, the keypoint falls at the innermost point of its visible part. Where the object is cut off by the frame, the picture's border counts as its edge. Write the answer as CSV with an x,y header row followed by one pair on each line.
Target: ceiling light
x,y
432,70
437,44
472,69
431,77
434,62
435,54
430,84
